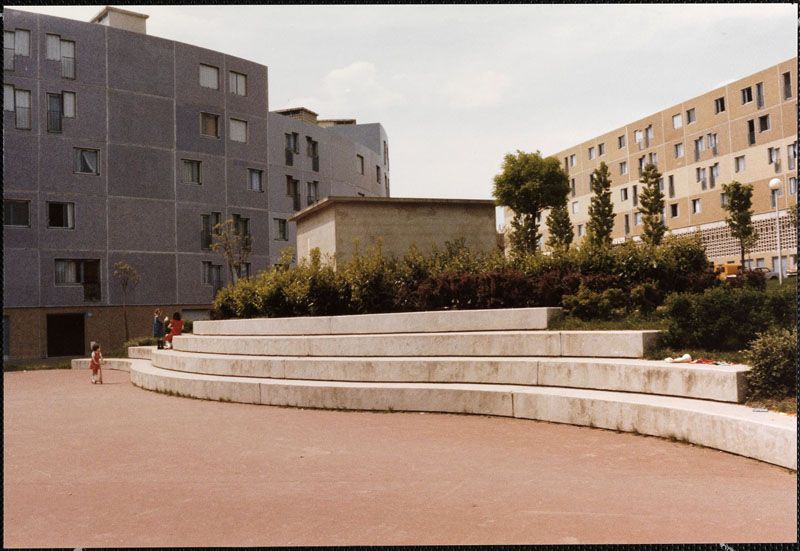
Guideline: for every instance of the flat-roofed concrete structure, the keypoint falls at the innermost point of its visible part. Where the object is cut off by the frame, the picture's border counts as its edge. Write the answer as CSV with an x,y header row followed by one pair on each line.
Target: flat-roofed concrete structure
x,y
338,226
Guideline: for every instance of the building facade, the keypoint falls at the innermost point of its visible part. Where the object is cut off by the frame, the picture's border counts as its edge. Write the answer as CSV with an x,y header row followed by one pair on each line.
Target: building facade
x,y
744,131
120,146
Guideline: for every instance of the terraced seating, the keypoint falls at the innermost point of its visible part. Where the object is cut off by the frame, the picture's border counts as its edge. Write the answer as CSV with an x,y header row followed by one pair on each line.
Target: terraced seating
x,y
507,364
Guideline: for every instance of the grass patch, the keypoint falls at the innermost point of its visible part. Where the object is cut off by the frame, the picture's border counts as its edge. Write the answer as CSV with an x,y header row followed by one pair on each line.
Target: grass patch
x,y
734,357
570,323
783,405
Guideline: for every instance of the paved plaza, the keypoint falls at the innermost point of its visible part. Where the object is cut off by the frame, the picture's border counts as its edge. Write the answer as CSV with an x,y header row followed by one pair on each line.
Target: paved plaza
x,y
114,465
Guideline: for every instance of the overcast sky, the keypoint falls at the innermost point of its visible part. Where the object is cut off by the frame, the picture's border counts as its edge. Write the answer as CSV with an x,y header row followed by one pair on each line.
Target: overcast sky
x,y
457,87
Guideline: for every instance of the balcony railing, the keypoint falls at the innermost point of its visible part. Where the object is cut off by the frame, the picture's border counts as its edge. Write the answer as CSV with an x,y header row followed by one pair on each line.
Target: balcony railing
x,y
315,164
23,117
54,121
91,292
68,67
8,59
289,157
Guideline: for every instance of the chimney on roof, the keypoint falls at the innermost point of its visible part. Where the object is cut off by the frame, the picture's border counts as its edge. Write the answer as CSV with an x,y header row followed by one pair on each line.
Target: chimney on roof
x,y
122,19
299,113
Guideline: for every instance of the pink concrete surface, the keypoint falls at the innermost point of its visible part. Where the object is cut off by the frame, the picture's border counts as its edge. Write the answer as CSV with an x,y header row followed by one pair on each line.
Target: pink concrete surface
x,y
114,465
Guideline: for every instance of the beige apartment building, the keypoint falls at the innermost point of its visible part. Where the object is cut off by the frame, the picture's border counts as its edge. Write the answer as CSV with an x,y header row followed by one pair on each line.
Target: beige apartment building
x,y
744,131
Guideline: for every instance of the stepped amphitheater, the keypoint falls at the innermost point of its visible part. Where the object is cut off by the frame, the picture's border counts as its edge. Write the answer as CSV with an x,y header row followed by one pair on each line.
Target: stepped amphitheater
x,y
485,362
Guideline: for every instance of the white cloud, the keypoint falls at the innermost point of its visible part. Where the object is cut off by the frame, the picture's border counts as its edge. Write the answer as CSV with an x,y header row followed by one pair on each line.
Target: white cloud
x,y
482,89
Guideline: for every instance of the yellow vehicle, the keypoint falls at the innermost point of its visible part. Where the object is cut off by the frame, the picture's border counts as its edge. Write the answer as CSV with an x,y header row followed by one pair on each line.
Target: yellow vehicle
x,y
728,271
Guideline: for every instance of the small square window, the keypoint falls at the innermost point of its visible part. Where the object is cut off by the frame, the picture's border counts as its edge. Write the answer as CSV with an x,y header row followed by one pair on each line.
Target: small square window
x,y
719,105
763,123
254,179
209,76
747,95
16,213
238,83
209,125
677,121
61,215
191,172
690,116
621,141
238,130
86,161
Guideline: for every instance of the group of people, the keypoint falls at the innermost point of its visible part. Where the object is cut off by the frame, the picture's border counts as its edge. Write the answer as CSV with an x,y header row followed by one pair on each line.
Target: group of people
x,y
165,329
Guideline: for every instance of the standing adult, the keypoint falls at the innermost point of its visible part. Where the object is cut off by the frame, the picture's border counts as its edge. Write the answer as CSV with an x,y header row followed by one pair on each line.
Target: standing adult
x,y
158,325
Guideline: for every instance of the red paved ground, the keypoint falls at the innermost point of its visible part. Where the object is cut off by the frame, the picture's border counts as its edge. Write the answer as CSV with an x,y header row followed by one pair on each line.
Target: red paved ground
x,y
115,465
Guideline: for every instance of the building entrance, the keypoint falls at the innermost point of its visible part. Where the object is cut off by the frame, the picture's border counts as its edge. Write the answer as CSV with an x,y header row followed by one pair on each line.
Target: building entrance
x,y
65,335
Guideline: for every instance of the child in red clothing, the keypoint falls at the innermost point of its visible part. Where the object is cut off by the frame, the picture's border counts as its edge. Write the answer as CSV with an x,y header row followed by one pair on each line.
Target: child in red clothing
x,y
94,364
175,328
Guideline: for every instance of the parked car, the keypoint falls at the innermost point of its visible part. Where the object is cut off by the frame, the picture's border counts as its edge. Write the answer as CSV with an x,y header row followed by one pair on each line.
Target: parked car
x,y
768,274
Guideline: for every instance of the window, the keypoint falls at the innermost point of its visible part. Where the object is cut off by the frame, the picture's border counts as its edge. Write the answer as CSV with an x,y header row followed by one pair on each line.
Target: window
x,y
280,229
241,225
699,147
719,105
641,164
294,142
53,47
580,230
649,132
751,132
312,192
638,136
678,150
254,179
773,197
208,222
623,168
712,142
86,161
695,206
701,176
209,125
22,108
591,153
293,191
763,123
791,154
738,164
653,159
8,97
601,149
238,130
21,42
661,185
793,186
572,187
378,173
67,59
209,76
621,141
54,112
385,154
787,85
723,199
244,269
714,171
772,155
80,272
360,164
572,160
623,194
635,195
673,210
191,172
637,218
759,95
16,213
237,83
627,224
211,274
69,100
690,116
677,121
574,207
747,95
61,215
311,147
671,186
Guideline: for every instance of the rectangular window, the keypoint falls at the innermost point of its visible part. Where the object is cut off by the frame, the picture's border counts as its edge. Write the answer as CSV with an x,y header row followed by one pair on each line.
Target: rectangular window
x,y
16,213
641,164
627,224
244,269
591,153
208,224
241,225
621,141
791,154
280,229
312,192
238,130
759,95
635,195
360,164
237,83
690,116
81,272
67,59
580,230
763,123
574,207
623,168
22,108
695,206
254,179
69,100
86,161
772,155
793,186
211,274
738,164
623,194
723,199
787,85
678,150
671,186
572,189
209,125
295,139
637,218
701,176
53,47
712,143
61,215
191,172
653,159
751,132
649,132
601,149
54,112
572,160
661,185
677,121
719,105
209,76
22,42
714,173
747,95
773,197
673,210
293,191
378,173
8,97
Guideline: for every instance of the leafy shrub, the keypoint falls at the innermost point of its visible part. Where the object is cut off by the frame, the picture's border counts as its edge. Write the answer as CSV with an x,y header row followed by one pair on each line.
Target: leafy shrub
x,y
139,341
645,298
773,357
370,281
588,305
470,291
720,318
748,278
781,303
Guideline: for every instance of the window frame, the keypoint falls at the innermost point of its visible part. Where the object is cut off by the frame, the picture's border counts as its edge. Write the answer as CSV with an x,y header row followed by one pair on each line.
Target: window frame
x,y
761,126
691,116
200,67
260,173
719,105
76,165
231,121
184,164
621,141
216,118
70,206
747,95
679,119
10,201
233,78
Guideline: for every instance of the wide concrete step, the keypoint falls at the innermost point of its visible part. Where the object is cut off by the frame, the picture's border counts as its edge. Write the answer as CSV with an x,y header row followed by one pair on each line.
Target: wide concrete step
x,y
119,364
612,344
733,428
722,383
406,322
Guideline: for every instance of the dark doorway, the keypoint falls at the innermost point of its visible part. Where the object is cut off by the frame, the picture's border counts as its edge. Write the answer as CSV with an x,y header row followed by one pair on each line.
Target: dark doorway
x,y
65,335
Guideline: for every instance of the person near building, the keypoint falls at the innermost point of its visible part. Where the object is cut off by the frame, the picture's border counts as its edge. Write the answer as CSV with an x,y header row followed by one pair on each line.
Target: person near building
x,y
175,328
95,363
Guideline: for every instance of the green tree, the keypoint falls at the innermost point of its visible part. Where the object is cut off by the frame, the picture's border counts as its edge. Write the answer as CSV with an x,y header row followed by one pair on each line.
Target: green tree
x,y
601,209
234,244
651,205
739,206
560,228
528,184
128,278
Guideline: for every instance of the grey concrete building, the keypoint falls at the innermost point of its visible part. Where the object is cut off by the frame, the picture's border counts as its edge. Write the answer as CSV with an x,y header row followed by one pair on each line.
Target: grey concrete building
x,y
120,146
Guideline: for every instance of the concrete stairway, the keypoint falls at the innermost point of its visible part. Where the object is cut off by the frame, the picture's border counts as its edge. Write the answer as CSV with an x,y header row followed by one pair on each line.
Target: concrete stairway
x,y
492,362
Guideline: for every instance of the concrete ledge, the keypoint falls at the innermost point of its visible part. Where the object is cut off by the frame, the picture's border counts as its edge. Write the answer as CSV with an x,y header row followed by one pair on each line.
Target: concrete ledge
x,y
406,322
610,344
141,352
117,364
768,437
721,383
